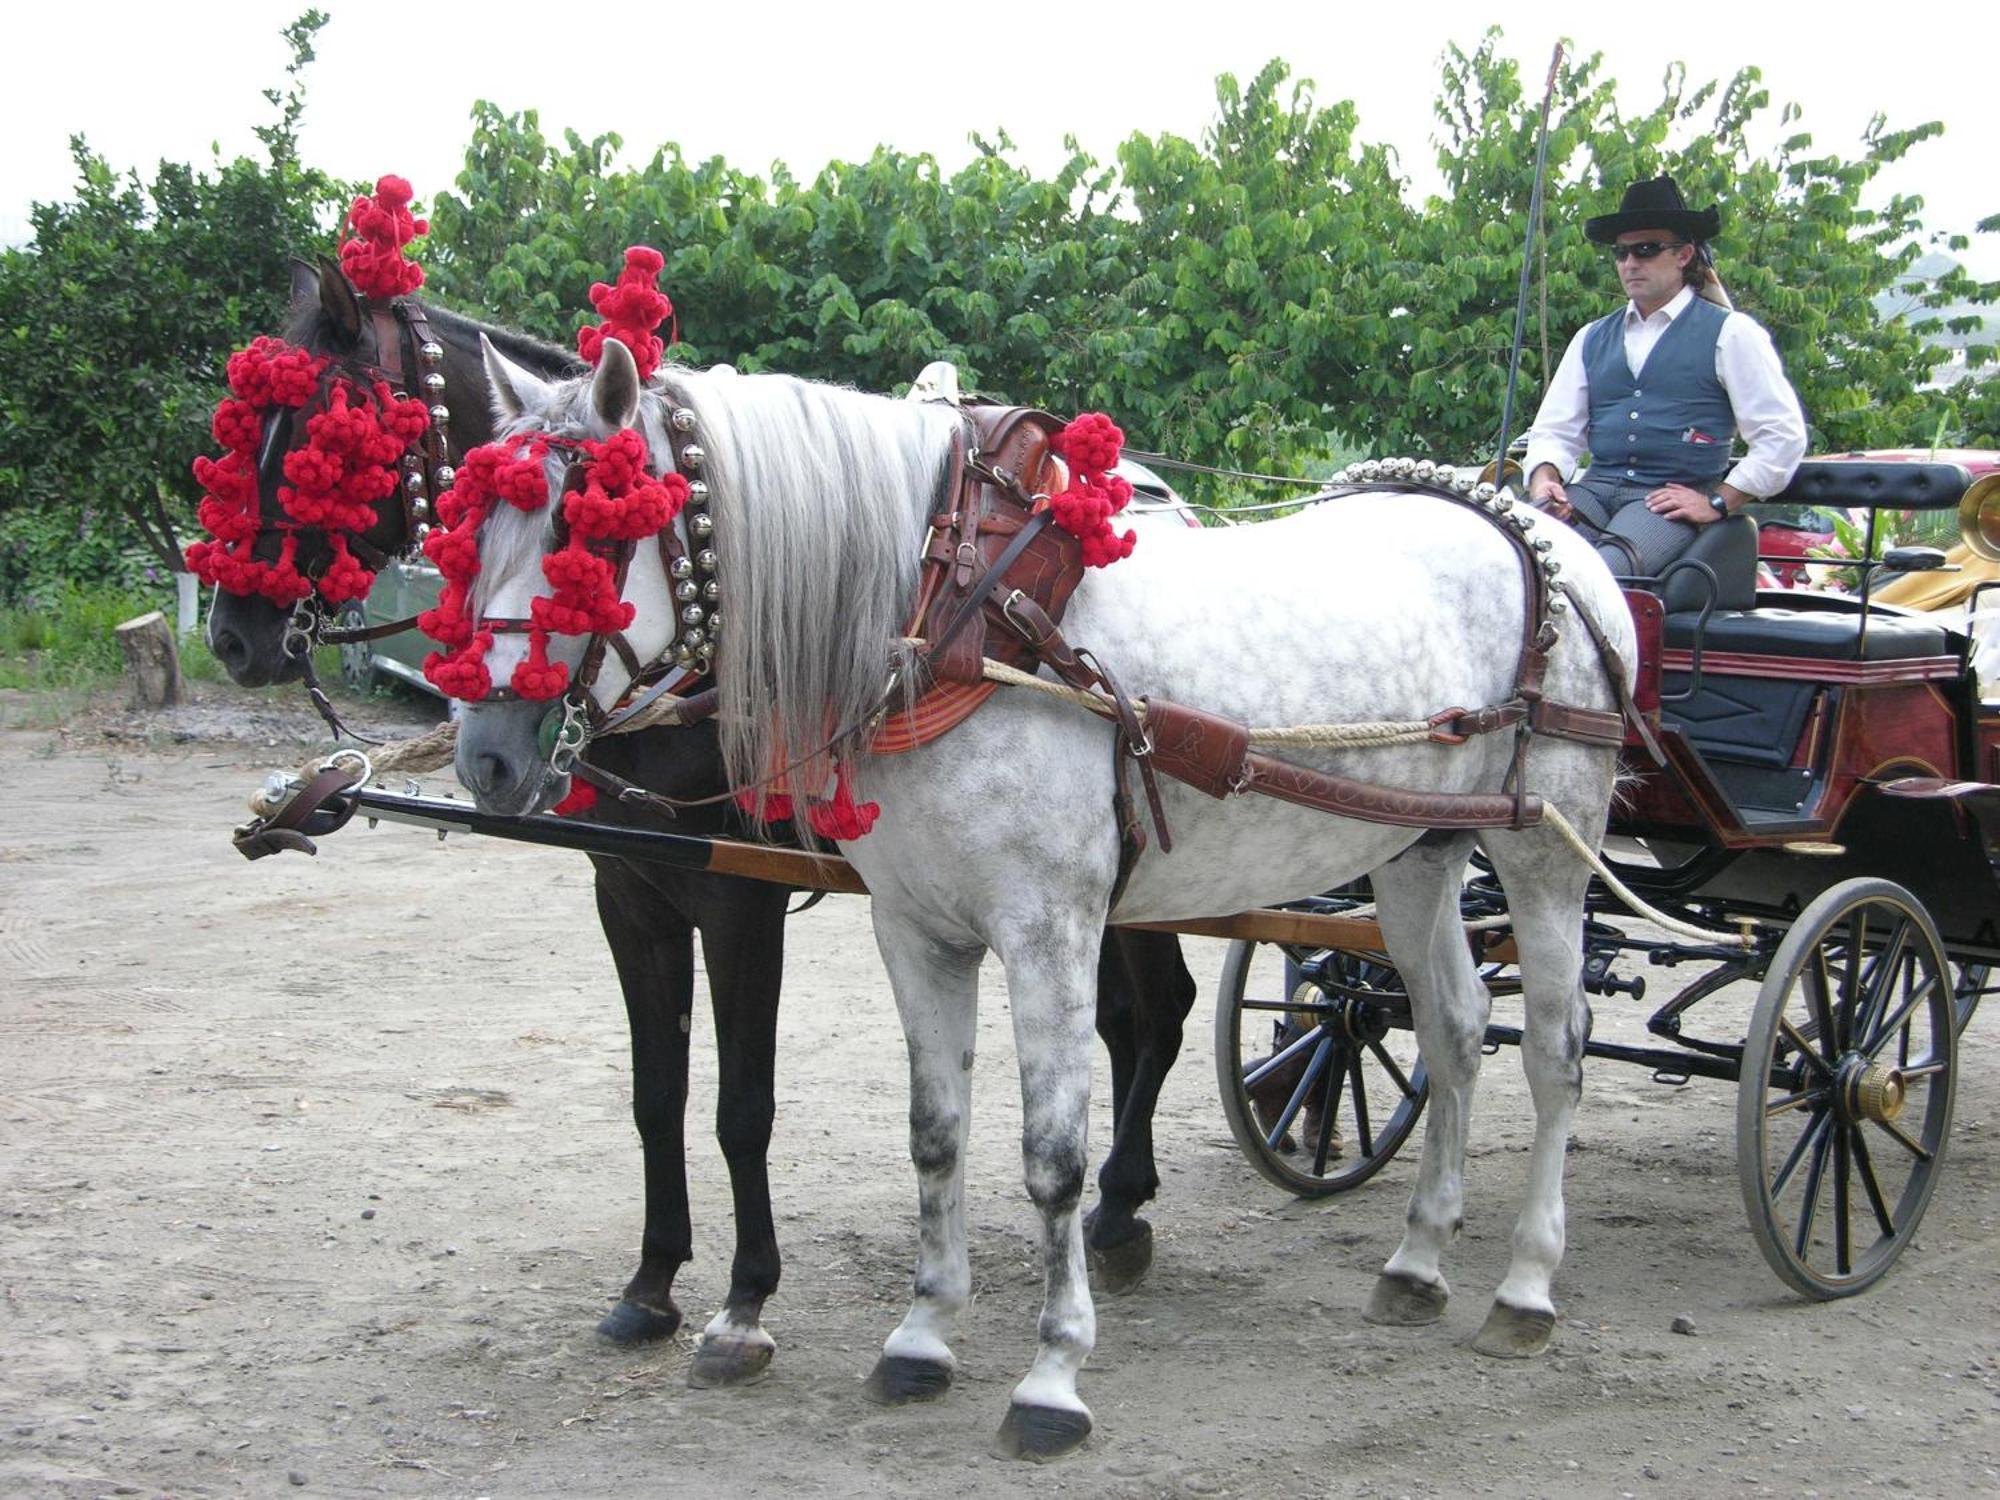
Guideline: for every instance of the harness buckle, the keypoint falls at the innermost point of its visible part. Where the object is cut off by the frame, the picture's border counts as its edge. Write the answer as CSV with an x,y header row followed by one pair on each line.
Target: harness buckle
x,y
1440,735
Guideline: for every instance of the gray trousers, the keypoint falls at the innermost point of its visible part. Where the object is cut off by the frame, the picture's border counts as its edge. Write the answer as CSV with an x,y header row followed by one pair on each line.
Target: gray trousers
x,y
1631,539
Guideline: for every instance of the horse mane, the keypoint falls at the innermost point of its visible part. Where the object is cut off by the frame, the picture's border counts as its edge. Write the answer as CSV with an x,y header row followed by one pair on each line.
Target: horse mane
x,y
821,496
311,328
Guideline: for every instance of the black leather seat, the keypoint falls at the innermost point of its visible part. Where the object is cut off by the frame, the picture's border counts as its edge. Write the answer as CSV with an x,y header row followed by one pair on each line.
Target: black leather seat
x,y
1826,635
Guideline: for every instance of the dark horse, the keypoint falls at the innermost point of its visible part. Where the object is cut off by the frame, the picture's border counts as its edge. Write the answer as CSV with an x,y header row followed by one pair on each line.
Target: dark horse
x,y
650,913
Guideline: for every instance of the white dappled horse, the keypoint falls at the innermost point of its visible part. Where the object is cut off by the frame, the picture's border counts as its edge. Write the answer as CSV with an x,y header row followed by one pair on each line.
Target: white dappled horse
x,y
1000,835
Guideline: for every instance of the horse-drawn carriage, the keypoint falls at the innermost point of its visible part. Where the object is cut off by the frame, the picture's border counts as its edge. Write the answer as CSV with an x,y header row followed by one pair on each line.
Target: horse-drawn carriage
x,y
1826,789
1807,759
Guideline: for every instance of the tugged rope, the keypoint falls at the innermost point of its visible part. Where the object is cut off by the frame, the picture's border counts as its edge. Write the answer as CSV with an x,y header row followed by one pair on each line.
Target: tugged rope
x,y
433,750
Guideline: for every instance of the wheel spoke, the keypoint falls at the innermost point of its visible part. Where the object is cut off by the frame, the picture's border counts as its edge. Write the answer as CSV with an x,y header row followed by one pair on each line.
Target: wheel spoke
x,y
1803,1144
1931,1069
1815,1175
1362,1128
1896,1023
1256,1075
1329,1116
1798,1039
1865,1169
1879,980
1850,978
1291,1110
1403,1085
1843,1247
1818,984
1792,1101
1916,1148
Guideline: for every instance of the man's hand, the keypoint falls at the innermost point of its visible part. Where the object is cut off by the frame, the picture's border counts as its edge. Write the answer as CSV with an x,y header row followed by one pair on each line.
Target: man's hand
x,y
1546,493
1679,503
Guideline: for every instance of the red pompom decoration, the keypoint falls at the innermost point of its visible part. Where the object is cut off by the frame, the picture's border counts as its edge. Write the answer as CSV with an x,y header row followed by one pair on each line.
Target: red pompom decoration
x,y
843,819
581,799
1092,443
632,308
382,226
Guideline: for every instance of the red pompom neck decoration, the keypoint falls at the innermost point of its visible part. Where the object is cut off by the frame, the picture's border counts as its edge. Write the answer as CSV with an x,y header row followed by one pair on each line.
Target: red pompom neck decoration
x,y
382,225
1092,443
618,502
334,480
632,308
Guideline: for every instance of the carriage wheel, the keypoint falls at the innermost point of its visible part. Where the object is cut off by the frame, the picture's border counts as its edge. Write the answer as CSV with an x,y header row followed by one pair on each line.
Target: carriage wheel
x,y
1845,1097
1320,1081
357,662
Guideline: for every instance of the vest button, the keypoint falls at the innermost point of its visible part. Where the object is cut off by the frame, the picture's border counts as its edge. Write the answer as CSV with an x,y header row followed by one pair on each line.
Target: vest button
x,y
1634,415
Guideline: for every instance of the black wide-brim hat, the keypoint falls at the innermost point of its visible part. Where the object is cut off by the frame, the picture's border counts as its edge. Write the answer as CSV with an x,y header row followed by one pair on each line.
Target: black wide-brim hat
x,y
1655,203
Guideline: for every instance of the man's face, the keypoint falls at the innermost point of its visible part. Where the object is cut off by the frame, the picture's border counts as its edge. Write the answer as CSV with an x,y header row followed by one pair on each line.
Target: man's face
x,y
1653,283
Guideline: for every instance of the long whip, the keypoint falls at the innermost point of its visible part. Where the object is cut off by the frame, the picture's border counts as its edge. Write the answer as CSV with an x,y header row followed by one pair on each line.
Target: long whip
x,y
1527,262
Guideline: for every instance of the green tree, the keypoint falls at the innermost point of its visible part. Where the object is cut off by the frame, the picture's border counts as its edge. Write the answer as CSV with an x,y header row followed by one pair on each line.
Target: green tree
x,y
115,323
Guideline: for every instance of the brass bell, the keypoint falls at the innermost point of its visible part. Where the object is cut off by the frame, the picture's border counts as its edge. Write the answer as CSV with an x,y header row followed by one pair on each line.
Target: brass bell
x,y
705,560
440,417
697,492
414,481
714,626
694,614
693,456
445,476
691,640
434,383
704,524
683,419
421,532
687,591
430,352
711,591
682,568
420,509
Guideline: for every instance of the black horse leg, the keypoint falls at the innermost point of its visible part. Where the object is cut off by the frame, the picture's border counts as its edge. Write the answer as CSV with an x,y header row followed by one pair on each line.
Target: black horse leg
x,y
1144,994
653,947
743,946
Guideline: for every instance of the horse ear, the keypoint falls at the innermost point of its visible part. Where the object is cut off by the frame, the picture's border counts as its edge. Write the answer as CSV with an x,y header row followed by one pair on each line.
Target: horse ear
x,y
305,280
338,299
512,388
614,390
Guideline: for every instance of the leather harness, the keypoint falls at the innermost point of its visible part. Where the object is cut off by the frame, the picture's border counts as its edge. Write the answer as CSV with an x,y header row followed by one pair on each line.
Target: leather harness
x,y
994,558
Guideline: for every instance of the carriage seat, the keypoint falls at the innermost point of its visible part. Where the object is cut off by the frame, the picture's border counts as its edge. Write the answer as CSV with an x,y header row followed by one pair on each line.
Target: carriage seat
x,y
1729,550
1821,634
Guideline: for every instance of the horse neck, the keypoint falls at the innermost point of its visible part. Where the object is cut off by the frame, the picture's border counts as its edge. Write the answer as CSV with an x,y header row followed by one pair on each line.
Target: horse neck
x,y
466,393
821,497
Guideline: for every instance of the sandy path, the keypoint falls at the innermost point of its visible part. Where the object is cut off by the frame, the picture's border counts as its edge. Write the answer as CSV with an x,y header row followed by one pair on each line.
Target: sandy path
x,y
321,1171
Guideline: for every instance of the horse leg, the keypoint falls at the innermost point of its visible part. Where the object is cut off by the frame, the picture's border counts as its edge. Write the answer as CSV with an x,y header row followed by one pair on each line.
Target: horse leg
x,y
1049,973
937,994
653,947
1144,993
743,949
1545,890
1417,903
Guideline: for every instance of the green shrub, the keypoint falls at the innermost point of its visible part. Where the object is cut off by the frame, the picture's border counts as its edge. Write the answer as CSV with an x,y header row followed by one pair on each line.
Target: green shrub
x,y
62,638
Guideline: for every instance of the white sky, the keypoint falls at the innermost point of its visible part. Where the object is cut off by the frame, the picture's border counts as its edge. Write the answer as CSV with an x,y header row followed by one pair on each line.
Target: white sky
x,y
394,83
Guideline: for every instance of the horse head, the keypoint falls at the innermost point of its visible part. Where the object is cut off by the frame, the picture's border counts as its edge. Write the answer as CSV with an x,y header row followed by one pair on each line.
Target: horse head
x,y
572,597
418,352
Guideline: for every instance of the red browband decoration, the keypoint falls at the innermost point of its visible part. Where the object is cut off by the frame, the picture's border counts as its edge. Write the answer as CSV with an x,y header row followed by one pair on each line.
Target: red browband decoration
x,y
334,480
617,502
382,225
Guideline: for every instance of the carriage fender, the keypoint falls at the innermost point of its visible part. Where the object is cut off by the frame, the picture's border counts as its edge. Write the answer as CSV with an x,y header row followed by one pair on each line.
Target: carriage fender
x,y
1980,799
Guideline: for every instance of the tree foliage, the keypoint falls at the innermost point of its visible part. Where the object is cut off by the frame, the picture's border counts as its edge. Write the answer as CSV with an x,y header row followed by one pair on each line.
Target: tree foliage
x,y
1259,297
115,323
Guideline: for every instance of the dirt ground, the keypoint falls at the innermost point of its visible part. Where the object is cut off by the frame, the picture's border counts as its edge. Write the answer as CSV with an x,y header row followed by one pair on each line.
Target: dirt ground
x,y
316,1173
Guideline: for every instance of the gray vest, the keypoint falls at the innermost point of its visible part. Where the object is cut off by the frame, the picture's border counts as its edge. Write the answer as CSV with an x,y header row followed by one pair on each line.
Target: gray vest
x,y
1672,423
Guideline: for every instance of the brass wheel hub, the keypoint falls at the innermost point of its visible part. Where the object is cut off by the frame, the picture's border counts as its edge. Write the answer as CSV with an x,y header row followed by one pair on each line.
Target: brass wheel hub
x,y
1873,1091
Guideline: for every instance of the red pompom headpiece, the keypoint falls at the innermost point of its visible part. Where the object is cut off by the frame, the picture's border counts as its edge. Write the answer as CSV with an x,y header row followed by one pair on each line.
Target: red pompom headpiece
x,y
333,481
632,308
382,225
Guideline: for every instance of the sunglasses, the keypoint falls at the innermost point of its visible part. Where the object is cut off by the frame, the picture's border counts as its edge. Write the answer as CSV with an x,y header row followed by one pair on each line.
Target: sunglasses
x,y
1645,249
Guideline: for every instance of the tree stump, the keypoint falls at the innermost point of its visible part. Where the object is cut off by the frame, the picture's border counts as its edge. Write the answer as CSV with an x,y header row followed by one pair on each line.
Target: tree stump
x,y
151,662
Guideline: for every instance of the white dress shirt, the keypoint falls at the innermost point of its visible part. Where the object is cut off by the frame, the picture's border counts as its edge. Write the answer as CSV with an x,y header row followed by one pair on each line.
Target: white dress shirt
x,y
1767,411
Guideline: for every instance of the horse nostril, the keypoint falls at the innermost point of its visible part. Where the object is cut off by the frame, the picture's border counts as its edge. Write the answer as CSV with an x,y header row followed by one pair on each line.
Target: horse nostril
x,y
492,776
229,648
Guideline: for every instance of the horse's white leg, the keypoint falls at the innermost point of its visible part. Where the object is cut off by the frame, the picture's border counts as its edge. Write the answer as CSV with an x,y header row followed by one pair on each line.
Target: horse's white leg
x,y
1417,899
937,992
1545,885
1052,992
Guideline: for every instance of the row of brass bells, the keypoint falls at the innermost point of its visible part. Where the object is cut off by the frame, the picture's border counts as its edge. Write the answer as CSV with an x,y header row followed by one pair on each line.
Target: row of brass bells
x,y
695,645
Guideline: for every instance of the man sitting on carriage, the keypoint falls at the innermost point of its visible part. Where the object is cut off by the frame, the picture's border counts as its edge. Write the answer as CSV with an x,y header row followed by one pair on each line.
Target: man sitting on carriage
x,y
1656,392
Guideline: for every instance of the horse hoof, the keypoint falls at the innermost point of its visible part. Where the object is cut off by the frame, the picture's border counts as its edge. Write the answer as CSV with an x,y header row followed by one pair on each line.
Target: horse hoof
x,y
1121,1267
1040,1433
898,1380
631,1323
1405,1302
1515,1332
727,1361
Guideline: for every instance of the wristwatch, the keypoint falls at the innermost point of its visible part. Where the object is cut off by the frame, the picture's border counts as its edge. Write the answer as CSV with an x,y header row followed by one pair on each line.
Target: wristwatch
x,y
1721,507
